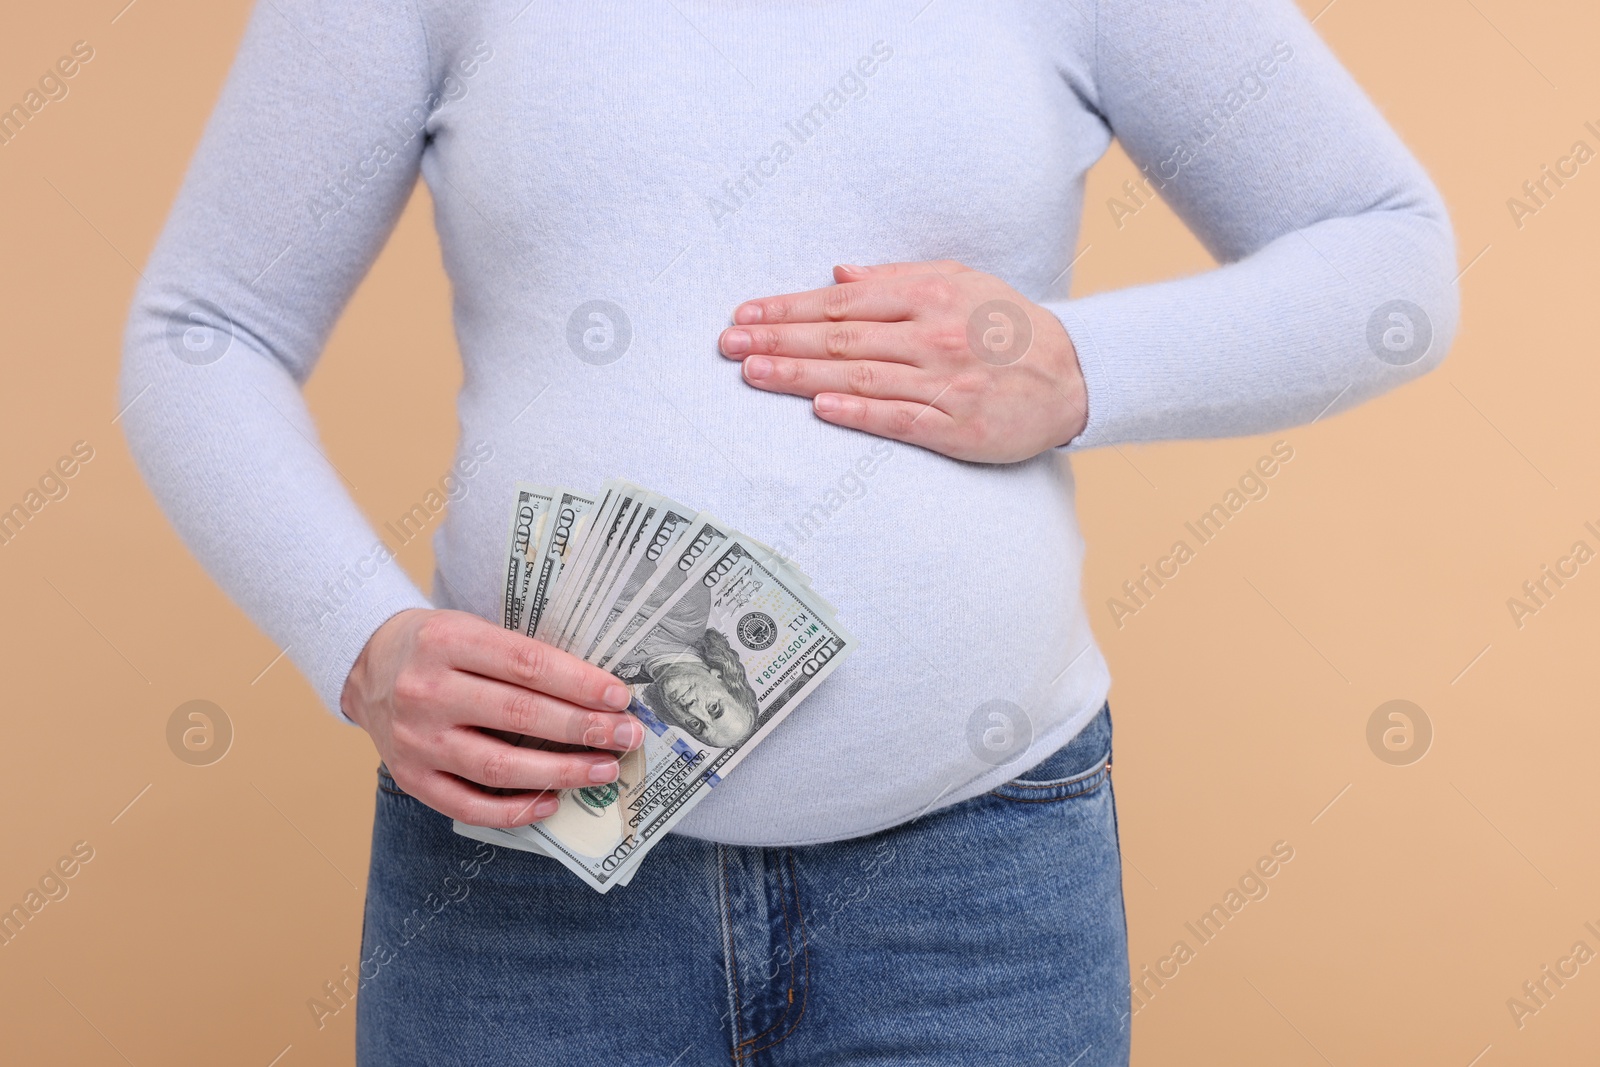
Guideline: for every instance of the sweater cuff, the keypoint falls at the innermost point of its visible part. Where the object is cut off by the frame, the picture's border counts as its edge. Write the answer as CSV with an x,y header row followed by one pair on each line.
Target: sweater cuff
x,y
333,648
1103,397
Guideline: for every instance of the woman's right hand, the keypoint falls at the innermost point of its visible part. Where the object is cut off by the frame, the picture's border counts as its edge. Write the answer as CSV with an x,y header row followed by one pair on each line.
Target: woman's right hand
x,y
429,684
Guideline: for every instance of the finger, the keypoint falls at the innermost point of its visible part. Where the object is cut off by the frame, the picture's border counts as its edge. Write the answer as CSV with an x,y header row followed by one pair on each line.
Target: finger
x,y
898,420
476,701
850,272
858,377
488,761
480,647
892,299
894,342
451,796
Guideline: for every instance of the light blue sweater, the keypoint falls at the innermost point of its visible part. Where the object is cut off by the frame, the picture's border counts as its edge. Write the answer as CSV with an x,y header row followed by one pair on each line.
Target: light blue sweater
x,y
674,159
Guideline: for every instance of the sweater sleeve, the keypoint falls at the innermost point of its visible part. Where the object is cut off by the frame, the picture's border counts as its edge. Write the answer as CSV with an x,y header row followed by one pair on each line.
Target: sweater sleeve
x,y
1337,258
304,167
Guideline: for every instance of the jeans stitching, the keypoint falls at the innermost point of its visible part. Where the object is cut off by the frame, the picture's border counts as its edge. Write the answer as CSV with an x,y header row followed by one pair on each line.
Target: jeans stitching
x,y
805,956
387,783
1089,785
733,963
1058,782
1122,903
788,937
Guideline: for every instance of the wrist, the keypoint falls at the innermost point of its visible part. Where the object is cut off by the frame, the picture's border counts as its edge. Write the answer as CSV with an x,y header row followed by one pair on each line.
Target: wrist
x,y
1069,396
352,701
349,705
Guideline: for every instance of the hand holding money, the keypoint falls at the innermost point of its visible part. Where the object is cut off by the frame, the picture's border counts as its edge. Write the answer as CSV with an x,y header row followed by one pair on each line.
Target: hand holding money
x,y
429,684
716,636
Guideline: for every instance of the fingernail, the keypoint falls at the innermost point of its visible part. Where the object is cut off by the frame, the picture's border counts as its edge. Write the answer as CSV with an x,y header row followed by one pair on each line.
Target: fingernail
x,y
603,772
594,736
736,342
827,403
628,734
546,808
745,314
616,696
757,367
851,268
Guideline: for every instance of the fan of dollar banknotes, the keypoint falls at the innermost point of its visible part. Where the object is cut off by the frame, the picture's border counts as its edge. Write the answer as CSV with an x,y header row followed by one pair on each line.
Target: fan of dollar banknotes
x,y
717,636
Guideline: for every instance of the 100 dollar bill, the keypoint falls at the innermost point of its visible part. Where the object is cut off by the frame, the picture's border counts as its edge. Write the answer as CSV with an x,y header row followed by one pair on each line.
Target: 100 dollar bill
x,y
527,526
567,509
719,664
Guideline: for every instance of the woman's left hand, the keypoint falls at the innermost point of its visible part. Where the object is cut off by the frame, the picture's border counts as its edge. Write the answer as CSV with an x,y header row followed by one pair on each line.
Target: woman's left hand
x,y
934,354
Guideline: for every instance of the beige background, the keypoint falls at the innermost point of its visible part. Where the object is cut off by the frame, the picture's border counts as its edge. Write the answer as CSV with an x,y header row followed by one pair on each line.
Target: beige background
x,y
1420,897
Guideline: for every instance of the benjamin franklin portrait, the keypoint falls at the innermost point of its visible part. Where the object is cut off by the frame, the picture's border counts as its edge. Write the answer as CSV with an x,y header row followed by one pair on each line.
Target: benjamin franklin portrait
x,y
692,677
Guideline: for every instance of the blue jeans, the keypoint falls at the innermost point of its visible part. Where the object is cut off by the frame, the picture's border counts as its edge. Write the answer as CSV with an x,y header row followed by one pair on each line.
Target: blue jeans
x,y
988,932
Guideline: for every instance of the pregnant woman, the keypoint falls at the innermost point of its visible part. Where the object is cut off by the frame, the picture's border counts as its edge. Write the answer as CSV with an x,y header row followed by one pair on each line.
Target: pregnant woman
x,y
742,253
